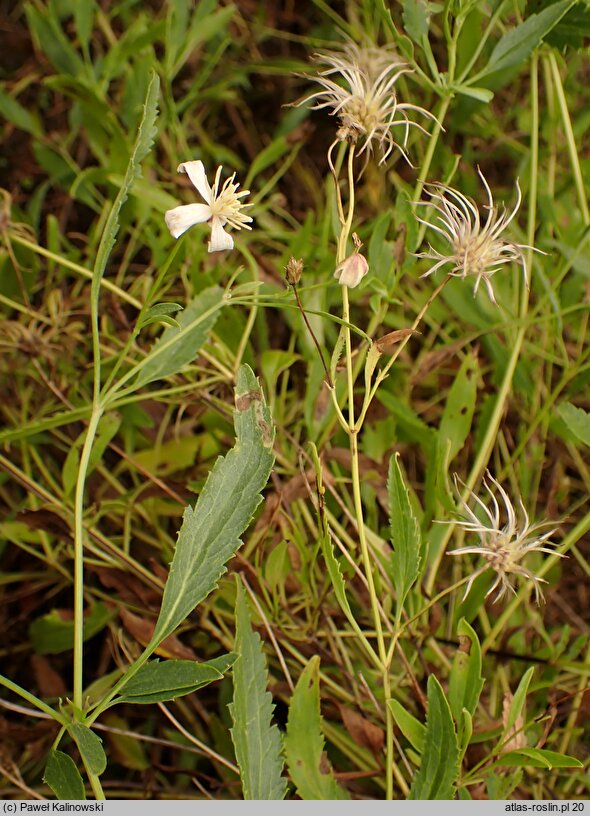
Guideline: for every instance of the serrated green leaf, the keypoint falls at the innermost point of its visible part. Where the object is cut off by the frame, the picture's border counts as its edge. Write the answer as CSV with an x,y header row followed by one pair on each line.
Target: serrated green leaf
x,y
158,682
210,531
516,46
178,346
90,747
304,742
416,16
577,421
465,681
412,729
439,767
538,758
405,535
143,144
519,699
63,777
257,743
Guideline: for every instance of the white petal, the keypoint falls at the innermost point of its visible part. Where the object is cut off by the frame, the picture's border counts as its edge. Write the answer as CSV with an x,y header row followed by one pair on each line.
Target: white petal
x,y
182,218
196,173
220,239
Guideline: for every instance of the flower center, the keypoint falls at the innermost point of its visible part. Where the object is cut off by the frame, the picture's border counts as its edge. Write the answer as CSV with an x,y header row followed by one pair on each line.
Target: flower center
x,y
360,114
498,554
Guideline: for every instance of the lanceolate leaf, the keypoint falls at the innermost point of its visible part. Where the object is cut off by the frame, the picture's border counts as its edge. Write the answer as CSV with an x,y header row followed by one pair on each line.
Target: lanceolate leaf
x,y
517,707
143,143
210,532
538,758
158,682
412,729
257,743
440,758
178,345
63,777
405,535
304,742
517,45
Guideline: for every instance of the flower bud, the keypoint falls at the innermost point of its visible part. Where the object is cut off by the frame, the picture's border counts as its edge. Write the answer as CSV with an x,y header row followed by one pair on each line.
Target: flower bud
x,y
293,271
352,270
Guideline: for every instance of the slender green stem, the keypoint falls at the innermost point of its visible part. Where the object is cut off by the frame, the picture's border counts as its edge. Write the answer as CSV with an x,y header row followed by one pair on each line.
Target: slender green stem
x,y
432,143
356,485
398,350
315,341
131,672
569,137
252,314
482,40
345,231
79,553
30,698
94,783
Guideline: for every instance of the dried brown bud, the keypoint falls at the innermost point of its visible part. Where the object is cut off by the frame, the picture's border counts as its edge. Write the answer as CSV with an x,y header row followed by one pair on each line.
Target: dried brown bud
x,y
293,271
385,343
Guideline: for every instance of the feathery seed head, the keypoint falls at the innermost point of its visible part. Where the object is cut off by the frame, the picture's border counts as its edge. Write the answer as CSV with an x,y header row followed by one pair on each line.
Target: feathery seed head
x,y
503,546
476,246
366,103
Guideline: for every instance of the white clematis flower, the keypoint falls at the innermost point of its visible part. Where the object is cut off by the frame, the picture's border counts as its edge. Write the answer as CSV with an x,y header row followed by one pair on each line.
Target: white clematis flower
x,y
223,207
